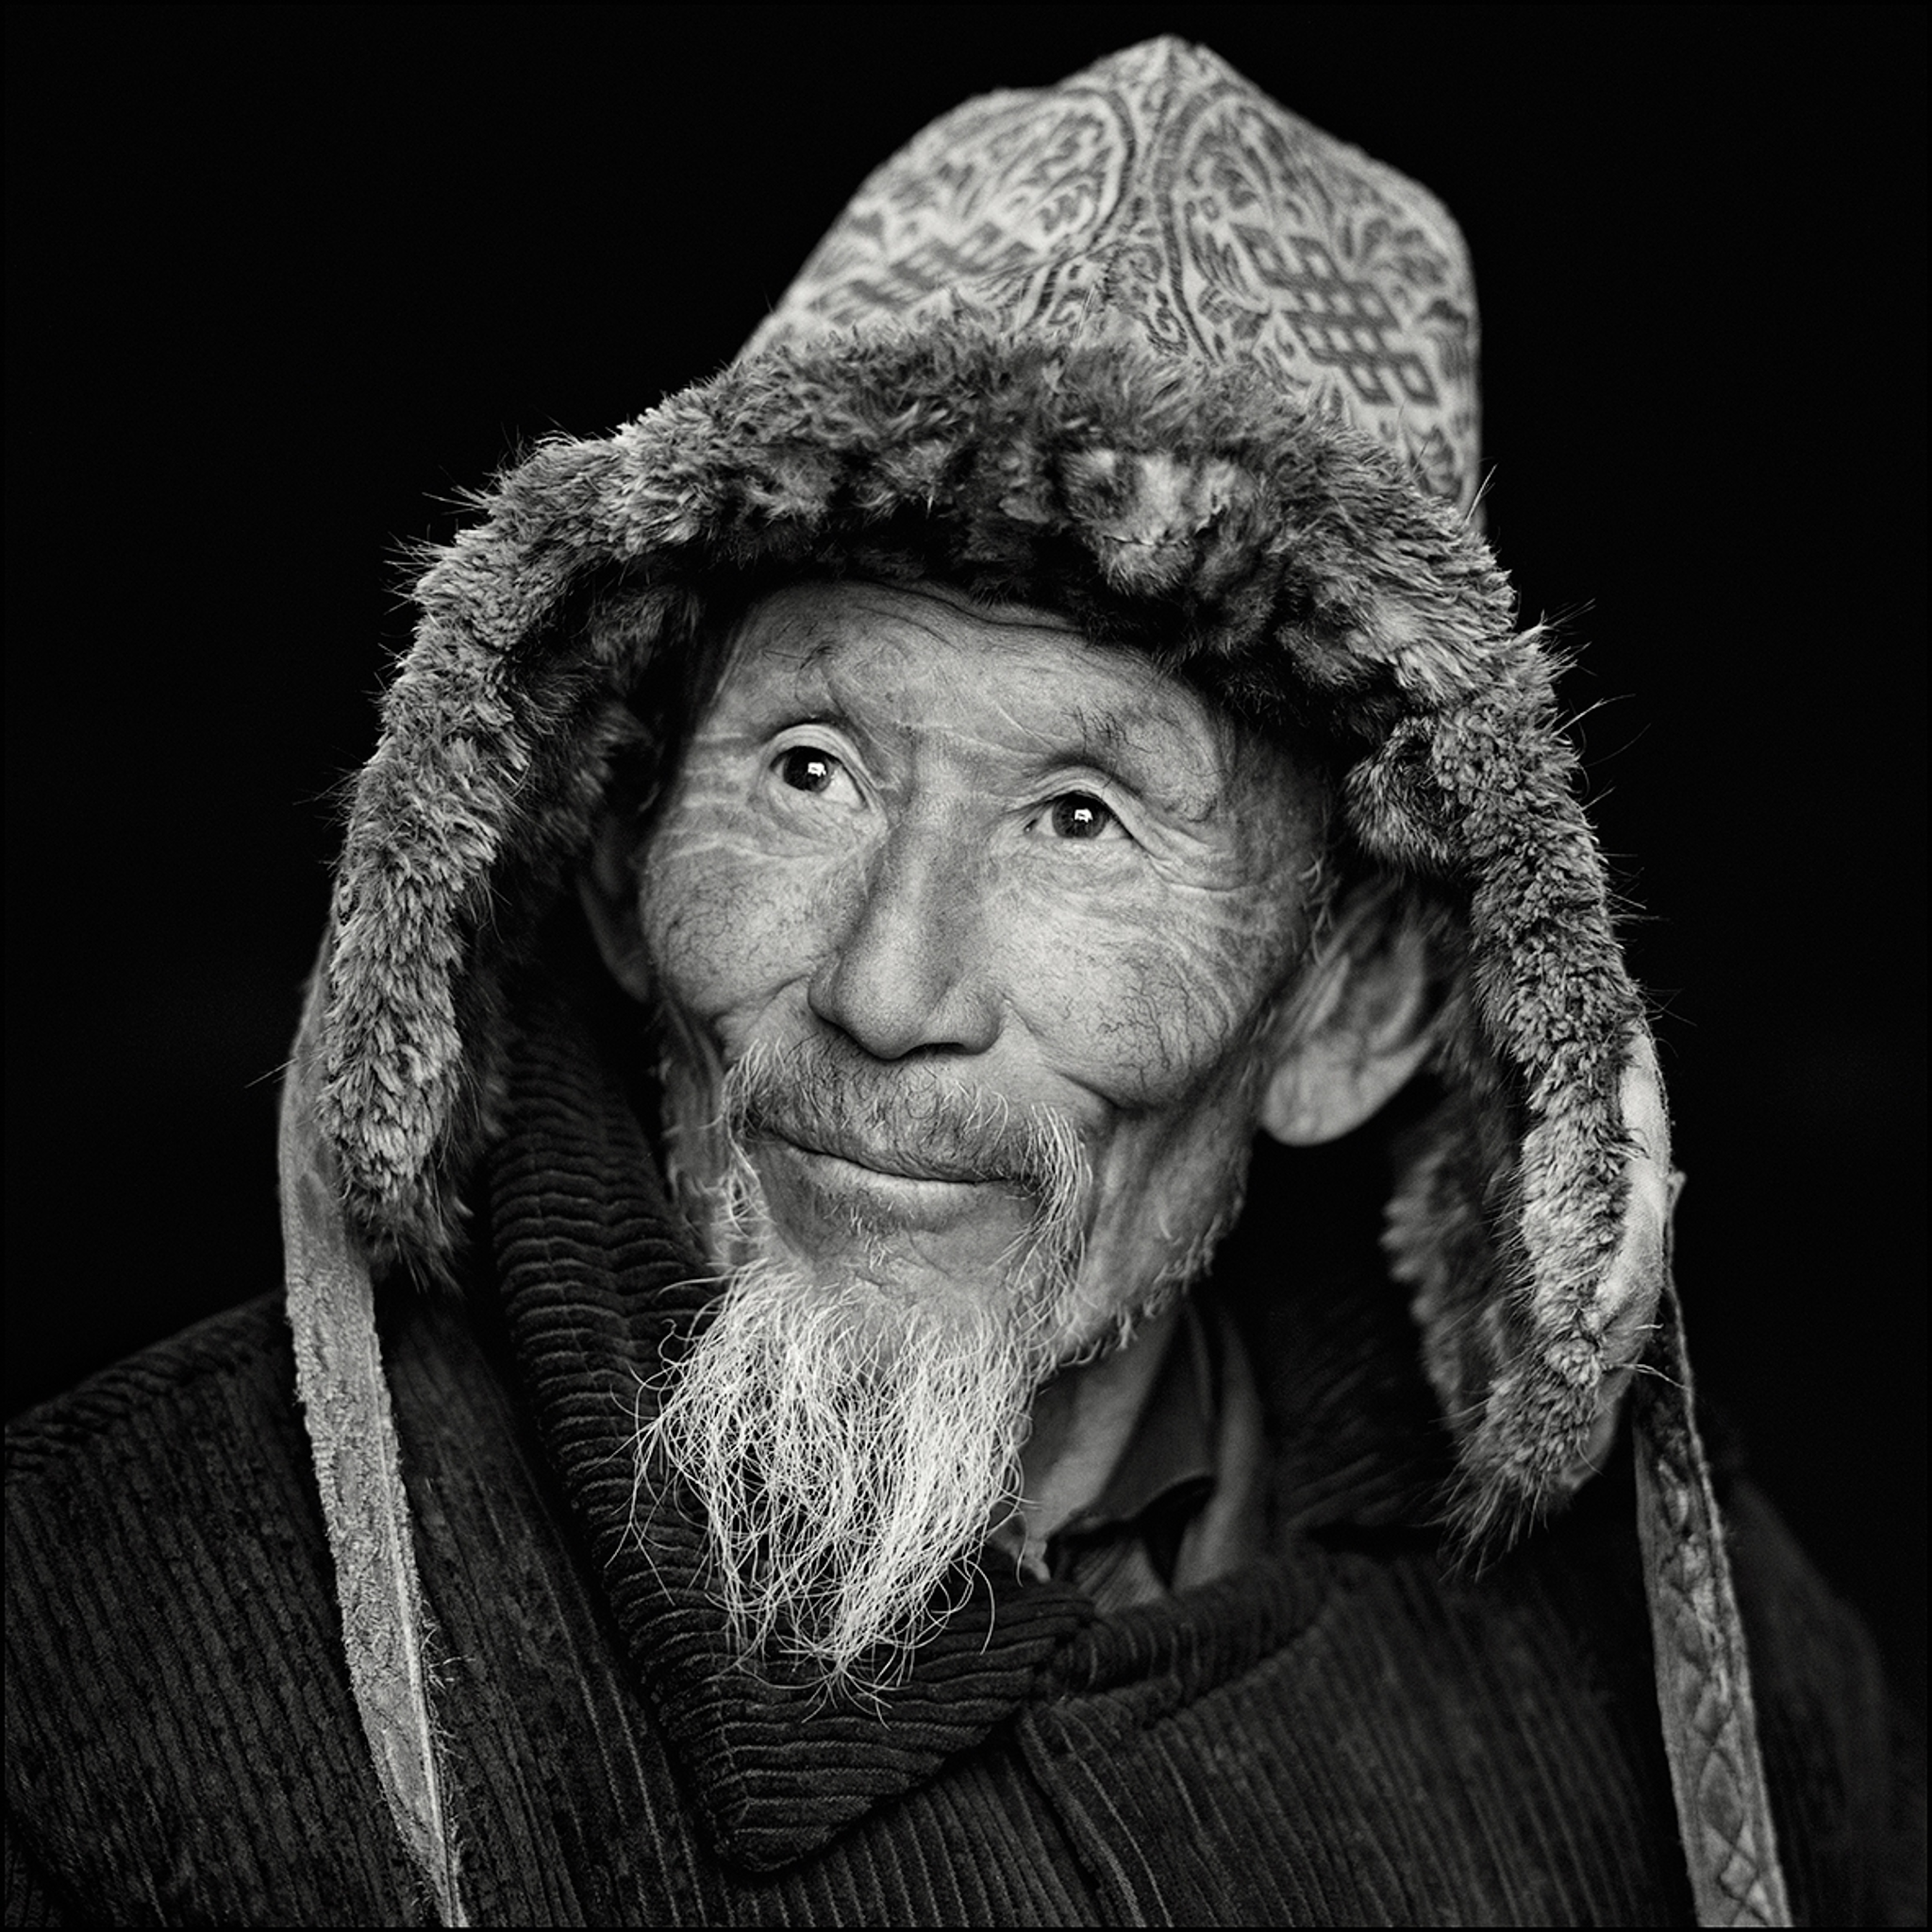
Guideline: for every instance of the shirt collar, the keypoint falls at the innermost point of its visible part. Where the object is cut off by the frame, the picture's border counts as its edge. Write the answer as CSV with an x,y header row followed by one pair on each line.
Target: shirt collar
x,y
1183,1502
1171,1451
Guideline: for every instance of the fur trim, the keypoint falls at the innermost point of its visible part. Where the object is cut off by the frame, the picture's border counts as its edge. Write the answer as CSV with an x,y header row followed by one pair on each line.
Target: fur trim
x,y
1150,351
1283,564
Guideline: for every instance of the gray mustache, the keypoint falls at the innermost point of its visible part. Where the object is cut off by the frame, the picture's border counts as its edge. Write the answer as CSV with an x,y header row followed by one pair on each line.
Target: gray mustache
x,y
908,1120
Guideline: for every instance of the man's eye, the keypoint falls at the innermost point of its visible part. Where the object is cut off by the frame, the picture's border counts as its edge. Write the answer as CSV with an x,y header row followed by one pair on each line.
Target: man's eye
x,y
805,768
1080,815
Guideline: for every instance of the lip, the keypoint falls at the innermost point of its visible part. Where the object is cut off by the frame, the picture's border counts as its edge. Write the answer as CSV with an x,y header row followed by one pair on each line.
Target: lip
x,y
913,1193
892,1164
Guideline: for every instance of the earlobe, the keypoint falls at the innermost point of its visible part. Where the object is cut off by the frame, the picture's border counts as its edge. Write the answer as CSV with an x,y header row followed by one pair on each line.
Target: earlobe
x,y
608,890
1359,1028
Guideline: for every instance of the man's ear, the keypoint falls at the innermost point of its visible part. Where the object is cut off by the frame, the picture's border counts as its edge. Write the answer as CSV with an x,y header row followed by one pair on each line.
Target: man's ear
x,y
607,888
1358,1025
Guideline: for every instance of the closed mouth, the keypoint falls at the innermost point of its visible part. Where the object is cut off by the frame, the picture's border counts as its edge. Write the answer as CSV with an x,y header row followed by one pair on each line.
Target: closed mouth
x,y
843,1187
891,1162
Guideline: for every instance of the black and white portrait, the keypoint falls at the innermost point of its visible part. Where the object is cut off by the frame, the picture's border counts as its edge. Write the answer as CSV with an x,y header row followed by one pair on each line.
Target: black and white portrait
x,y
966,965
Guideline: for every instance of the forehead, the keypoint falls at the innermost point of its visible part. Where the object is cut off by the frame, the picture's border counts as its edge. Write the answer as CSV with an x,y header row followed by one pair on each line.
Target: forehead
x,y
927,659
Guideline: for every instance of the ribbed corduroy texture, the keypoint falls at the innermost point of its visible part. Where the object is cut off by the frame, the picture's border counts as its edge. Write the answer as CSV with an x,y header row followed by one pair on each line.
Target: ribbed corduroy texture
x,y
181,1743
1347,1733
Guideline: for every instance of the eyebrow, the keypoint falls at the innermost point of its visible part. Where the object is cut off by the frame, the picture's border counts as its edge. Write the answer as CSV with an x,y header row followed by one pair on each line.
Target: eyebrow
x,y
1102,736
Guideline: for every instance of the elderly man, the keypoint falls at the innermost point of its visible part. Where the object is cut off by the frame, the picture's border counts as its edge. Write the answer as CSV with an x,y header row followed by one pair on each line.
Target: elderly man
x,y
972,1186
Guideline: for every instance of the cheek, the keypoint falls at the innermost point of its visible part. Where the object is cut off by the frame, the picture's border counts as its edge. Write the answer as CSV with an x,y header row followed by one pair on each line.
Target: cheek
x,y
1147,1003
728,927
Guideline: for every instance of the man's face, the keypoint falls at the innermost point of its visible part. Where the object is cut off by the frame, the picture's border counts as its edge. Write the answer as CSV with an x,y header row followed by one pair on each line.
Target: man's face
x,y
930,851
966,938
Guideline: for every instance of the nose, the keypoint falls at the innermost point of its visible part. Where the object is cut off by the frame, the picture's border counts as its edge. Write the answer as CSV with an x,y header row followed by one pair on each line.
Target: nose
x,y
909,973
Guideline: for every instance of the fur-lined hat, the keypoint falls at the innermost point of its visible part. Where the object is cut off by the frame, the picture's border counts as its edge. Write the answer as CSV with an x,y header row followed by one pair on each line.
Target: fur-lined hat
x,y
1146,349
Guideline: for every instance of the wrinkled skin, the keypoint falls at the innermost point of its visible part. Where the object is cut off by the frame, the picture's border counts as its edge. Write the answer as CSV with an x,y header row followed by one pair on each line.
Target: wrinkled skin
x,y
970,845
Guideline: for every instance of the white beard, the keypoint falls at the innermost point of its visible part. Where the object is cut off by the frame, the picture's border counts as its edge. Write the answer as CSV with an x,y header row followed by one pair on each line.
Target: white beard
x,y
850,1443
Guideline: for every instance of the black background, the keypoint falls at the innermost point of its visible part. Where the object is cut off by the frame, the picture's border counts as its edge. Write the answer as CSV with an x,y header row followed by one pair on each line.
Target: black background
x,y
282,279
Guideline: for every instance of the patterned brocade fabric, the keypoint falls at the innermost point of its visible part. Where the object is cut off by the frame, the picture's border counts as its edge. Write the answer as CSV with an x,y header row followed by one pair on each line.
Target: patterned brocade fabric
x,y
1159,194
